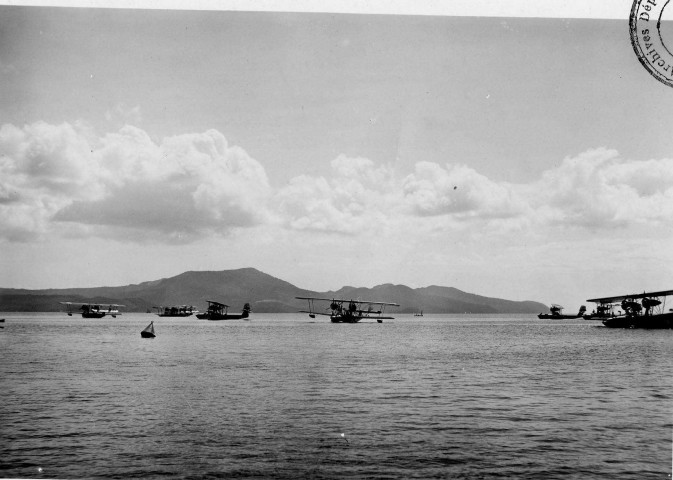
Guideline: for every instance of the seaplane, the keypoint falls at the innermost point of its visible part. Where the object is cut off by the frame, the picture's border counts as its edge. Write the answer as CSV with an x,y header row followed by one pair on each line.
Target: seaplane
x,y
348,311
218,311
641,310
92,310
556,313
176,311
602,311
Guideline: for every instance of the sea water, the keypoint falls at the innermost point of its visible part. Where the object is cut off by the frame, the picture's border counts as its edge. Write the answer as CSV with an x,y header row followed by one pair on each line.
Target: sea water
x,y
286,396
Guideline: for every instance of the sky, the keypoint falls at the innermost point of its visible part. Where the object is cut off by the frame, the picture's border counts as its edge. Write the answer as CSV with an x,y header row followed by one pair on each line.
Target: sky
x,y
508,153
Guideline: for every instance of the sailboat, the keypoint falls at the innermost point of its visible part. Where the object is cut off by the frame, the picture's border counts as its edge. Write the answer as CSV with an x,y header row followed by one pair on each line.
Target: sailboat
x,y
148,332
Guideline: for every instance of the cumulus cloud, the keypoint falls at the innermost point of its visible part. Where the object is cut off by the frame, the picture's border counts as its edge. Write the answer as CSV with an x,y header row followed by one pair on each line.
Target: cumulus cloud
x,y
356,196
125,184
599,189
457,190
42,169
594,190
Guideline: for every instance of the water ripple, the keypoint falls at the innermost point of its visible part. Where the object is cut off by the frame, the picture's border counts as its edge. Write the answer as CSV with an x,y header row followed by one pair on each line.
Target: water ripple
x,y
443,397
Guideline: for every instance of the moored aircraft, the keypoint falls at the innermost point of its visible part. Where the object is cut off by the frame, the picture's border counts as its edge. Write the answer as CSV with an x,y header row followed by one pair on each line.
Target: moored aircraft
x,y
348,311
602,311
92,310
556,313
219,311
641,310
176,311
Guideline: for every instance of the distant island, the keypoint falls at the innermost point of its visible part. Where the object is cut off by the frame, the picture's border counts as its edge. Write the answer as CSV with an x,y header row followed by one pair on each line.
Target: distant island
x,y
264,292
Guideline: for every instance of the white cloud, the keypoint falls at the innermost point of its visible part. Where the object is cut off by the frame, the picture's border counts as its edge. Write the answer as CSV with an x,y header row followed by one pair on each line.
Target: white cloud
x,y
598,189
126,185
43,168
594,190
459,191
356,197
591,191
47,158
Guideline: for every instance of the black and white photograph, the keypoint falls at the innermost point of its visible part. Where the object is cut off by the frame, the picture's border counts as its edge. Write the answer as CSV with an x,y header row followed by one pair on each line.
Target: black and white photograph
x,y
336,239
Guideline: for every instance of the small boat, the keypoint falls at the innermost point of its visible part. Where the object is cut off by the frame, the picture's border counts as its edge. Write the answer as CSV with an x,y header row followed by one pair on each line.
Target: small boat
x,y
219,311
176,311
148,332
557,313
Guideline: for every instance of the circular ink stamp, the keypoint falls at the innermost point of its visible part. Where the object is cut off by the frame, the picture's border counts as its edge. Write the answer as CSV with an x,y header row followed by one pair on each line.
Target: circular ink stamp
x,y
645,25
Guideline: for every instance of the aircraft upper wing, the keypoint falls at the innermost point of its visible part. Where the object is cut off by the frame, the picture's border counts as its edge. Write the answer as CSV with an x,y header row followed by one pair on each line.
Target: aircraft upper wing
x,y
217,303
341,300
618,298
93,303
377,303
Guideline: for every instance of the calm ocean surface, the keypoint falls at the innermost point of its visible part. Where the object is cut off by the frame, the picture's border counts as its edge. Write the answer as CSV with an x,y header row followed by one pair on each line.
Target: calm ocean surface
x,y
285,396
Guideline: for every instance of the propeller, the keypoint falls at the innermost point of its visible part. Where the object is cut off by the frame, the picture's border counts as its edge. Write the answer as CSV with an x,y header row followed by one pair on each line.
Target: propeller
x,y
650,302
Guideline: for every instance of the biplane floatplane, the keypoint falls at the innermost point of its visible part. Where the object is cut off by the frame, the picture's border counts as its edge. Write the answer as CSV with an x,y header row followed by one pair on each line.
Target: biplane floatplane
x,y
218,311
348,311
641,310
92,310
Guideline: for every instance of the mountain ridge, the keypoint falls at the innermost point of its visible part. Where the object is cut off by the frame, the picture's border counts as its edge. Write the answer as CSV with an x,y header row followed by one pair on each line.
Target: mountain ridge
x,y
266,294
